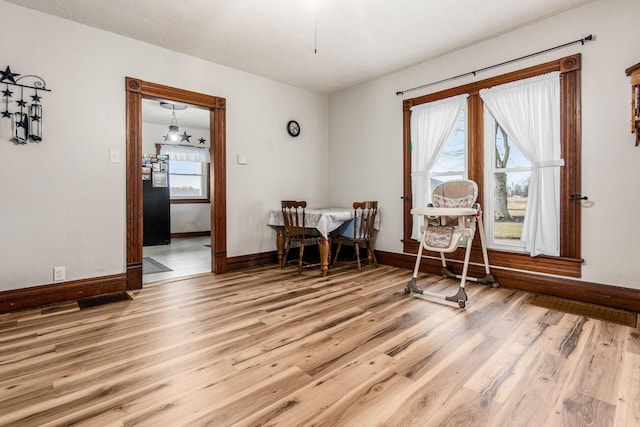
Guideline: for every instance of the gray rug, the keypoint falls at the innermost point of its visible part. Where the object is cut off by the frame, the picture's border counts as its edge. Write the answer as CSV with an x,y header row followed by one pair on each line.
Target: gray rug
x,y
151,266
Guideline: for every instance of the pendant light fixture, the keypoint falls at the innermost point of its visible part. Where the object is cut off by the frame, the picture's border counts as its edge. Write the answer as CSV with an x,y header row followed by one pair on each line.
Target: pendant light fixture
x,y
173,127
173,135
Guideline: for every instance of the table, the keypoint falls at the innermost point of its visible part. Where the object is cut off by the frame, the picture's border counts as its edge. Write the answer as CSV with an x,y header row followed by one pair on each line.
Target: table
x,y
325,220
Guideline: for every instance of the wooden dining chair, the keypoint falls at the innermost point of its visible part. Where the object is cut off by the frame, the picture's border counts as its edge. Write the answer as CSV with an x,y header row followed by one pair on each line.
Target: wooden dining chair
x,y
360,230
293,215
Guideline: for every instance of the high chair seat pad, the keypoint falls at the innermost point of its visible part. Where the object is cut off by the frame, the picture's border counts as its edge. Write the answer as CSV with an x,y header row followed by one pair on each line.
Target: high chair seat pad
x,y
439,236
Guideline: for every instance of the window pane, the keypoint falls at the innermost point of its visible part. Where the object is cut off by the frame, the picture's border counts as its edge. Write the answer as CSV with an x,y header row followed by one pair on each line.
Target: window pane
x,y
453,157
511,192
186,186
180,167
514,157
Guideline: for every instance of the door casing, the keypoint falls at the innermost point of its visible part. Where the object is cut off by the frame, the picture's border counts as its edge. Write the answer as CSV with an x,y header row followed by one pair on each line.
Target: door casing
x,y
136,90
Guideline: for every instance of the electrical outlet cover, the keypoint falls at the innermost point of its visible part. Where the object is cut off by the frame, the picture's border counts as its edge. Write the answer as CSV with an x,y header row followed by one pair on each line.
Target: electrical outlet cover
x,y
58,274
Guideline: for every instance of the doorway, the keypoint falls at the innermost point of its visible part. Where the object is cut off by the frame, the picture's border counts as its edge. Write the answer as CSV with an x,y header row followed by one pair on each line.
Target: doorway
x,y
175,191
136,90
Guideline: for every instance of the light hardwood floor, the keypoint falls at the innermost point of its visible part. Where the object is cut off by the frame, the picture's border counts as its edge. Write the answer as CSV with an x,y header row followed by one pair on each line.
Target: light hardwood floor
x,y
267,347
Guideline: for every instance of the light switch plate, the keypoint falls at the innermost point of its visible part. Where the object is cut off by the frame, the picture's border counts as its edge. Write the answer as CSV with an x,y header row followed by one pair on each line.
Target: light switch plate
x,y
114,156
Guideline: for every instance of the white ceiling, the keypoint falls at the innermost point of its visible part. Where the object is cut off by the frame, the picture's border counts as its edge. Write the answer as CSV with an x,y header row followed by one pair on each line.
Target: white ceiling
x,y
190,117
356,40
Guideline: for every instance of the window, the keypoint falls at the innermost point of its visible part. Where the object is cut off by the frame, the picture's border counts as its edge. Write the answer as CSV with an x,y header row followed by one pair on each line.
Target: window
x,y
188,180
507,183
500,169
437,149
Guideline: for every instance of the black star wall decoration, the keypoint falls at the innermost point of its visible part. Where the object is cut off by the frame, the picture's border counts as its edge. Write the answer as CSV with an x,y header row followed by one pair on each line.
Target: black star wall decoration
x,y
26,118
8,76
185,137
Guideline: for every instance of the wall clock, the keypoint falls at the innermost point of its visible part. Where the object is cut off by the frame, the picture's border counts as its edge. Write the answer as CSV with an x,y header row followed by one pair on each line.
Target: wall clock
x,y
293,128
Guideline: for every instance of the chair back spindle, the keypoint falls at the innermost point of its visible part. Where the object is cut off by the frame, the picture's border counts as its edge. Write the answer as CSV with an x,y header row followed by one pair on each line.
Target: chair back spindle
x,y
294,218
293,215
364,214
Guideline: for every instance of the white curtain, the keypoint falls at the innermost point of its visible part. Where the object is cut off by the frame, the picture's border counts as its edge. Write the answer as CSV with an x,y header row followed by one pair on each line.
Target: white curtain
x,y
529,112
186,154
432,125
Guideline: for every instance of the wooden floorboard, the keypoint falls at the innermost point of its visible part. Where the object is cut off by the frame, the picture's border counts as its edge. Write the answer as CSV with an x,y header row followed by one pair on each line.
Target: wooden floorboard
x,y
269,347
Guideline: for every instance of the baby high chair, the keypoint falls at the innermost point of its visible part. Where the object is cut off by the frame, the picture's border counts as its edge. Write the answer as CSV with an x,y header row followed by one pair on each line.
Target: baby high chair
x,y
451,217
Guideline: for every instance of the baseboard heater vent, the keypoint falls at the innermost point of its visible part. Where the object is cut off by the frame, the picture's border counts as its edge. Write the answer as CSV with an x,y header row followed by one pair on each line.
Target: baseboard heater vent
x,y
607,314
103,299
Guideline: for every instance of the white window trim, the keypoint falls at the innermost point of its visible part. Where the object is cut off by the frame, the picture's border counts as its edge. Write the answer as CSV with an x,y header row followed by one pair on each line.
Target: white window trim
x,y
204,182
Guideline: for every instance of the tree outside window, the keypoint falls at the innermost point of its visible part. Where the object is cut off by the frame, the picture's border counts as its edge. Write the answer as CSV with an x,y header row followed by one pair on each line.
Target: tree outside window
x,y
509,177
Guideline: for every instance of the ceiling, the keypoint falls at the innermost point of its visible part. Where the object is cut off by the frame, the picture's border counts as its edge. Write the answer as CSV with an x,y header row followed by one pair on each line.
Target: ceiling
x,y
188,118
320,45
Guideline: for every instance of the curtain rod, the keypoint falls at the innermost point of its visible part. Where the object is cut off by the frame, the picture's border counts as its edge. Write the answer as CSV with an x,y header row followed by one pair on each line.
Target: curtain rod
x,y
473,73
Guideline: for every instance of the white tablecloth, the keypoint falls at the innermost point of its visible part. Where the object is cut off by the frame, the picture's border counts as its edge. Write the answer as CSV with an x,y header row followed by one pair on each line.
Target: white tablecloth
x,y
325,220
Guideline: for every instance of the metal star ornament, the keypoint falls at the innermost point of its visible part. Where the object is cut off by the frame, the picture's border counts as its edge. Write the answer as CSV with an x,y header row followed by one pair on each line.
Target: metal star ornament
x,y
8,76
36,98
7,93
202,140
185,137
6,114
21,103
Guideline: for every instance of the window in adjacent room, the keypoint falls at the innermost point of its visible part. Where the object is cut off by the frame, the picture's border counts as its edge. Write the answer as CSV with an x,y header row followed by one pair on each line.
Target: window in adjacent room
x,y
188,180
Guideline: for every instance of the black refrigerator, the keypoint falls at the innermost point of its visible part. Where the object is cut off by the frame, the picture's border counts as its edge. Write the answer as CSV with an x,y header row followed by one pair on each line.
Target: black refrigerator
x,y
156,204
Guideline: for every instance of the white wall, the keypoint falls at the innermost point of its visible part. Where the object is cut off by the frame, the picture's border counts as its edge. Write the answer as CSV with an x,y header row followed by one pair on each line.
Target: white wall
x,y
365,134
64,204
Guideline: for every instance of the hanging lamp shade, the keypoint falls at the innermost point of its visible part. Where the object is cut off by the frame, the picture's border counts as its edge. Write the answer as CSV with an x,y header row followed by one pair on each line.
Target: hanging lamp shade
x,y
174,131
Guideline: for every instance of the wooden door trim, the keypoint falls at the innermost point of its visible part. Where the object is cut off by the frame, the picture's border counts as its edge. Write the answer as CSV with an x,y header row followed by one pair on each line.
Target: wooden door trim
x,y
136,90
